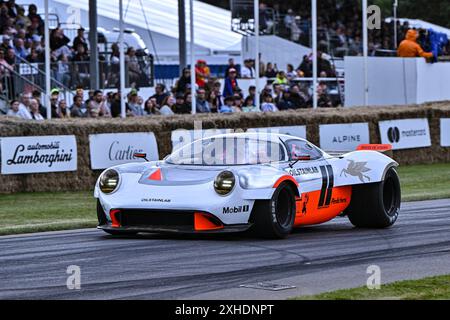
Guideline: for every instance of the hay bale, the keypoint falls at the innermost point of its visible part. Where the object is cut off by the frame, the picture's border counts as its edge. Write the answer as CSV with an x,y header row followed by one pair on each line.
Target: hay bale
x,y
84,178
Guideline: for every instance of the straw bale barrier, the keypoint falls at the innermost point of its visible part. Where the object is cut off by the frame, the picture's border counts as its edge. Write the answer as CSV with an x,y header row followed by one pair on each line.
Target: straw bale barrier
x,y
84,178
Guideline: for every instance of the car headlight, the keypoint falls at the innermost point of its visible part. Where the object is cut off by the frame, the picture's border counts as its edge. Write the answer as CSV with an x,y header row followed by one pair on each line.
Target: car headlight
x,y
109,181
224,182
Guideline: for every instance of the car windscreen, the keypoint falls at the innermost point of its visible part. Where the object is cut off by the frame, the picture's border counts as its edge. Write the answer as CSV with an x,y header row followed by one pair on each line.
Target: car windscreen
x,y
228,151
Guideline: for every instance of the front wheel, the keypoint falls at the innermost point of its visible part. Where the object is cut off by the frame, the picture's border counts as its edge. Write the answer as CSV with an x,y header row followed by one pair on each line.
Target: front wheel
x,y
274,218
376,205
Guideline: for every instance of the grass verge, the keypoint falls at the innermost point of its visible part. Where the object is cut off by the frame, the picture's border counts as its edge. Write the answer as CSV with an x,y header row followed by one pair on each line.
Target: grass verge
x,y
33,212
431,288
425,182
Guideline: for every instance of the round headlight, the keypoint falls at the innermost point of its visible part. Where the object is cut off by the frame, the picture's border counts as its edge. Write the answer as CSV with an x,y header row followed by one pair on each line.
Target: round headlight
x,y
224,182
109,181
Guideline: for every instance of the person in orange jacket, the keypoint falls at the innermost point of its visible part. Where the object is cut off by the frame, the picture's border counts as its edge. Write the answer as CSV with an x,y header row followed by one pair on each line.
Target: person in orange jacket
x,y
202,73
409,48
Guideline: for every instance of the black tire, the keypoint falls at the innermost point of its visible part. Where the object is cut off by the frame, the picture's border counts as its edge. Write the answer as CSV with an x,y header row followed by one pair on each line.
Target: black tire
x,y
274,218
101,214
376,205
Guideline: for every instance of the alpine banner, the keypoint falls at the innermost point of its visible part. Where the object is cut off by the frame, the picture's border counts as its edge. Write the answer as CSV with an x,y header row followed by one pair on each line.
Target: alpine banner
x,y
343,136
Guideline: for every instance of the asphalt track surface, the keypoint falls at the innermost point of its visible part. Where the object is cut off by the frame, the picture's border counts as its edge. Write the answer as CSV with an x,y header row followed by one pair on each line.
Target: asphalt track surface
x,y
314,259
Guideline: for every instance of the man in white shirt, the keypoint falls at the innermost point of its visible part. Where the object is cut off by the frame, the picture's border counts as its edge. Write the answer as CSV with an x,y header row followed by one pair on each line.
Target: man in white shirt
x,y
24,107
34,108
18,110
248,71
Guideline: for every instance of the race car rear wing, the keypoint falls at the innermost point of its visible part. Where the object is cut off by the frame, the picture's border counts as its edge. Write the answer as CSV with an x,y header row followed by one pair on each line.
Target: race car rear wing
x,y
375,147
364,147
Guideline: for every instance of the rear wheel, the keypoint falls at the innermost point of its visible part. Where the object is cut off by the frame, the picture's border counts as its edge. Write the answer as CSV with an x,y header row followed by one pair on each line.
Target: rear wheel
x,y
274,218
376,205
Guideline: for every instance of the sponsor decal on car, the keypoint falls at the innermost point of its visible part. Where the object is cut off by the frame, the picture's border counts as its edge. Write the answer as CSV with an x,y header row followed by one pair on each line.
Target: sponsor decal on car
x,y
327,186
237,209
303,171
338,200
356,169
155,200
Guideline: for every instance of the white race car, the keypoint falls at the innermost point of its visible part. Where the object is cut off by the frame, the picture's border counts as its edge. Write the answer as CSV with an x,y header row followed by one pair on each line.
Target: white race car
x,y
268,183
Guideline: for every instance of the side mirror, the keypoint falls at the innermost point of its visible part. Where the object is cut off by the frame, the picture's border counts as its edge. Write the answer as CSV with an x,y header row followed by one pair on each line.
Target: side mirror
x,y
140,155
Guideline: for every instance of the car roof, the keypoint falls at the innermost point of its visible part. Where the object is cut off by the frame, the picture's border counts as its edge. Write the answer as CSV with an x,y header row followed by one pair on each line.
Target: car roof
x,y
260,135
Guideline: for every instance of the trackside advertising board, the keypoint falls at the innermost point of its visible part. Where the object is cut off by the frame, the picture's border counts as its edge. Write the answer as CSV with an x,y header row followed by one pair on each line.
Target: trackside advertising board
x,y
445,132
38,154
406,133
110,149
344,136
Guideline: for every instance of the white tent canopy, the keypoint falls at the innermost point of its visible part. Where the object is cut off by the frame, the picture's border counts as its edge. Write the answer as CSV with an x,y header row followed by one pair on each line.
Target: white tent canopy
x,y
420,24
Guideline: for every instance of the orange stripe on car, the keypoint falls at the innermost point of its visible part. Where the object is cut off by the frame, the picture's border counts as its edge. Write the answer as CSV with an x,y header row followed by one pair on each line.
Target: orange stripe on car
x,y
285,178
309,211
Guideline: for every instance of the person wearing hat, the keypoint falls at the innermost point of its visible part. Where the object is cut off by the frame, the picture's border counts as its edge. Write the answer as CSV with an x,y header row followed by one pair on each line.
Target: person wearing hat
x,y
202,73
231,84
80,40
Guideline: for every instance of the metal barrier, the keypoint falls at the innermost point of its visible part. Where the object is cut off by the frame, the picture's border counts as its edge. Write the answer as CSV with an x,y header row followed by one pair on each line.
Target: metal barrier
x,y
74,74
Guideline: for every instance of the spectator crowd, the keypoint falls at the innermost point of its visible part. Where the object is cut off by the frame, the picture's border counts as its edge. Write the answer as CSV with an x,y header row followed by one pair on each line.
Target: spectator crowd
x,y
22,39
212,95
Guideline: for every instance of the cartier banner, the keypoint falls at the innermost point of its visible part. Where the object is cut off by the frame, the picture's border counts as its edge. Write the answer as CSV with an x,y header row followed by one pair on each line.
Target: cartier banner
x,y
110,149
